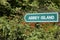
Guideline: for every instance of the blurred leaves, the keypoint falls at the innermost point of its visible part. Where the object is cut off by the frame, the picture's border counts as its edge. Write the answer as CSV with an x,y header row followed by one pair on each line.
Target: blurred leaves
x,y
13,26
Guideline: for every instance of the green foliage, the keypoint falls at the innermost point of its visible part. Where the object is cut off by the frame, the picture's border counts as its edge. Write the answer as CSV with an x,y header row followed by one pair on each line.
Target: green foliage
x,y
11,18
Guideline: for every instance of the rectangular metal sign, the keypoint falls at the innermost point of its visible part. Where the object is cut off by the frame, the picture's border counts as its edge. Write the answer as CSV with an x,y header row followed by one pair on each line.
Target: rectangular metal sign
x,y
41,17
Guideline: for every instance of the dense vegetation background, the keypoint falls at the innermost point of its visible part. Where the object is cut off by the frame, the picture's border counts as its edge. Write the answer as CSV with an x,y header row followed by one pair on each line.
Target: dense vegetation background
x,y
13,26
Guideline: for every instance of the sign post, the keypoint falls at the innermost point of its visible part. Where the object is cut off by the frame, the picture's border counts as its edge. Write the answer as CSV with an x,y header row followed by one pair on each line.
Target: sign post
x,y
41,17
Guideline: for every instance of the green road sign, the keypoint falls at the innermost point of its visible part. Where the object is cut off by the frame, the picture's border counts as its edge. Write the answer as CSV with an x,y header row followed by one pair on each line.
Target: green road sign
x,y
41,17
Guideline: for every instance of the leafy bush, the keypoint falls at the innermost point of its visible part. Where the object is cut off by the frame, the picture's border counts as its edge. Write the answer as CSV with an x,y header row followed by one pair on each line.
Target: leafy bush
x,y
13,26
